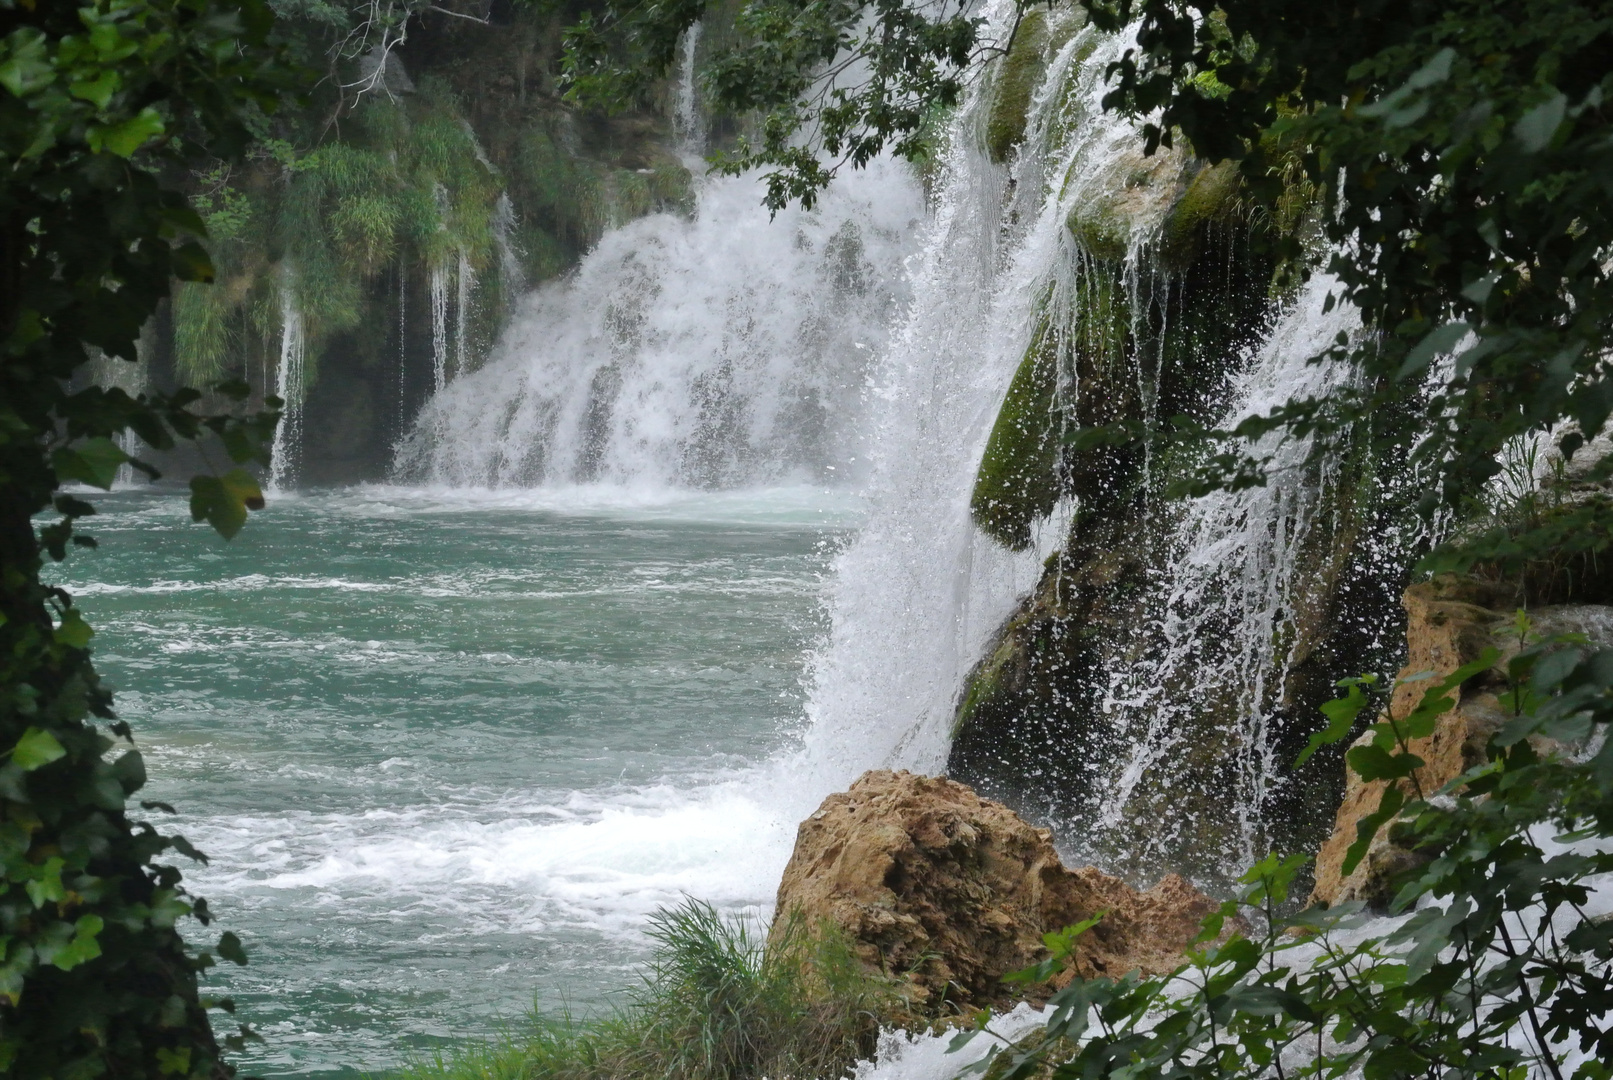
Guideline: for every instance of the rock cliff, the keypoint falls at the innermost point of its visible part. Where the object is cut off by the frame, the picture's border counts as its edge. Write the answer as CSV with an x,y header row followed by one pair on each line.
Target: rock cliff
x,y
1450,622
951,891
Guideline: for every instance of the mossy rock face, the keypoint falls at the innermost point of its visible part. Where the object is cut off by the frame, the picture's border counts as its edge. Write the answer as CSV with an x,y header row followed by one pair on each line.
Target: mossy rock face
x,y
1100,231
1018,481
1211,198
1021,71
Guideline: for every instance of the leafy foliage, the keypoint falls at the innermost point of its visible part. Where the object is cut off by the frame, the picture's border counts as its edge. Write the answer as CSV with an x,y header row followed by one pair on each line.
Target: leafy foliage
x,y
854,78
100,102
1500,967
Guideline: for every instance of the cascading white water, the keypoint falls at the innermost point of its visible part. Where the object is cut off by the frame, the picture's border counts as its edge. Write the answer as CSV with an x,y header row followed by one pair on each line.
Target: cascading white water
x,y
917,594
732,351
512,277
289,388
132,378
437,288
727,350
1221,628
687,123
466,284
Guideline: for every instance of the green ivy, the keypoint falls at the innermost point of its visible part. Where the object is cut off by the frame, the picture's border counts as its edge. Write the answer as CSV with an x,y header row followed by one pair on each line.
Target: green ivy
x,y
101,104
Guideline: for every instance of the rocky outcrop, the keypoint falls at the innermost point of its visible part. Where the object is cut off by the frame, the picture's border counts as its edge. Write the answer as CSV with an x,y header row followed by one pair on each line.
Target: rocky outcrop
x,y
1450,621
950,891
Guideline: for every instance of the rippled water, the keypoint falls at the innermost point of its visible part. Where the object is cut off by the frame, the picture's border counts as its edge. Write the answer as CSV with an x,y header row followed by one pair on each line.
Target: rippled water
x,y
447,751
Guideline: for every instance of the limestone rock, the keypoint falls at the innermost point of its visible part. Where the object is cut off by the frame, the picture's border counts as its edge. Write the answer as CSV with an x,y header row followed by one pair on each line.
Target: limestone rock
x,y
952,891
1450,621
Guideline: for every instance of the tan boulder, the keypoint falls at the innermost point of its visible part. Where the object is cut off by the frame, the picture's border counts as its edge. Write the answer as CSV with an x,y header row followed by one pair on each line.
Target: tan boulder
x,y
1450,621
951,891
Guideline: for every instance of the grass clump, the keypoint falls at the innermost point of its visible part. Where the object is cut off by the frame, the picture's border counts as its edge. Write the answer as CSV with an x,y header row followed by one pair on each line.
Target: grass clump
x,y
718,1003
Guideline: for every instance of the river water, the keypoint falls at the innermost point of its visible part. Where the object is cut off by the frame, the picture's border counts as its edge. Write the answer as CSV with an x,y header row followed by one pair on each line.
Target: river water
x,y
446,752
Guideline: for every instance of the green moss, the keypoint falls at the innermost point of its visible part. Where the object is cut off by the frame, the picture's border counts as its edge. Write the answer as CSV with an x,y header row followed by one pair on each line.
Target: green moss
x,y
1100,230
1212,196
986,682
201,333
1017,78
1018,481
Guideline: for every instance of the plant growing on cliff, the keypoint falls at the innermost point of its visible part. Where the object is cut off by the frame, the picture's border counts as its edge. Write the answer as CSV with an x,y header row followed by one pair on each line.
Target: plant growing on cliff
x,y
102,103
1500,966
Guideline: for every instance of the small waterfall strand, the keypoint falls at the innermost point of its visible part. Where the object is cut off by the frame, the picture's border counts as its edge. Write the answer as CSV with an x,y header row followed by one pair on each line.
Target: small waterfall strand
x,y
687,124
438,290
289,388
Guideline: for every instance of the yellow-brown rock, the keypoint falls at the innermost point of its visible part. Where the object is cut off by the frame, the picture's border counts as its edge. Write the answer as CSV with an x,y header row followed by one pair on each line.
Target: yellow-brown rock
x,y
951,891
1450,621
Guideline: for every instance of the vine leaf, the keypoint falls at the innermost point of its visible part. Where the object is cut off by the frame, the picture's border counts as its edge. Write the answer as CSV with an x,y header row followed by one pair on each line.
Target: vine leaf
x,y
223,501
36,748
94,462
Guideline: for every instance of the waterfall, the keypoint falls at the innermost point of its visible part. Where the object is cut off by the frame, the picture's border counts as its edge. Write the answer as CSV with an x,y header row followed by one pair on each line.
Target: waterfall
x,y
687,123
438,288
870,343
133,379
287,445
403,343
512,278
727,350
921,589
466,284
1221,629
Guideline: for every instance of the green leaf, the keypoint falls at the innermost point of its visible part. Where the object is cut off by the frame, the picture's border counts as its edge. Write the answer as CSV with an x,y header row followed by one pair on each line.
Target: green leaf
x,y
46,885
1375,763
74,632
97,91
130,770
222,501
84,945
1367,828
36,748
124,138
229,947
1436,342
1341,714
173,1062
1535,129
28,69
94,462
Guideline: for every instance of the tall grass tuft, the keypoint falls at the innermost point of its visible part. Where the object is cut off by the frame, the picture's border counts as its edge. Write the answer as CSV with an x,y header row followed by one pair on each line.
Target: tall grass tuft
x,y
715,1005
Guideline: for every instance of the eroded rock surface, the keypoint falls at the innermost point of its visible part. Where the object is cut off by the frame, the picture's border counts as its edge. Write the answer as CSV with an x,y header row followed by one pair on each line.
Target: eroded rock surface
x,y
1449,622
933,883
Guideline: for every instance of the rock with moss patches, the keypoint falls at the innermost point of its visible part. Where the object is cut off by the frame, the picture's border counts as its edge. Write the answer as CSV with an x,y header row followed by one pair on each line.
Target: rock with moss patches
x,y
950,891
1017,79
1018,479
1211,199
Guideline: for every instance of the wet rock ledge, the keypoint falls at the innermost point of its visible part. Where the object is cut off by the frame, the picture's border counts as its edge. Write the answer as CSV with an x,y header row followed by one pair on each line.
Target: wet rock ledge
x,y
949,892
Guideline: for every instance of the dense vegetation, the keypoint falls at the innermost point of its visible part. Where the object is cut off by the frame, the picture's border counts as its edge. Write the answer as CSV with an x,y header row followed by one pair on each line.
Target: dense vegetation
x,y
101,106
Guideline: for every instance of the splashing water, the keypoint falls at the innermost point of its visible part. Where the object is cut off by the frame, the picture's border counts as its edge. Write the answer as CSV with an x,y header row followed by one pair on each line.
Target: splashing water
x,y
1222,631
687,123
438,290
725,351
289,388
